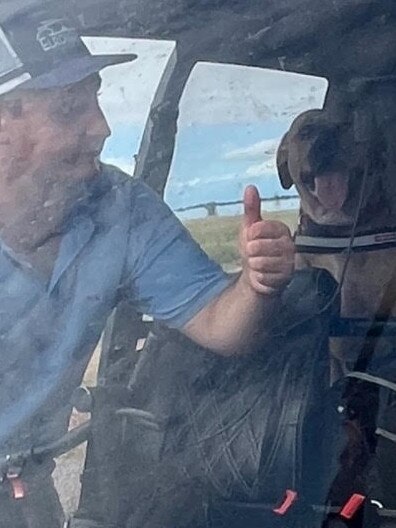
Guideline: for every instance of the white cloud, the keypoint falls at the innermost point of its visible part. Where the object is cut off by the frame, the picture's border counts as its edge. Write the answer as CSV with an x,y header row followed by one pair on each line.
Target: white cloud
x,y
126,165
262,169
267,168
183,184
263,152
260,150
223,177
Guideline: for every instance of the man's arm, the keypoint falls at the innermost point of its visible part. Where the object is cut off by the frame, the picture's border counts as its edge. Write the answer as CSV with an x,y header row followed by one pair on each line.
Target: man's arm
x,y
232,322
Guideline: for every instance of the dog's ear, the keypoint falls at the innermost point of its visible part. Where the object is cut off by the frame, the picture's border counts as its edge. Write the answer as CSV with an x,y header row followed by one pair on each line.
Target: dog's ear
x,y
282,157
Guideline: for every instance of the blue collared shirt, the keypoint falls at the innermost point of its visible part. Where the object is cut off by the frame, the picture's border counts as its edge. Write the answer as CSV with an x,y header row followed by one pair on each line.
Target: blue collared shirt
x,y
129,246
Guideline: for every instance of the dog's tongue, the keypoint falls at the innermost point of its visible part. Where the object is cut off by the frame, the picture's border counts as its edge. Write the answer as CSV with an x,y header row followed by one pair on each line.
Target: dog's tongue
x,y
331,190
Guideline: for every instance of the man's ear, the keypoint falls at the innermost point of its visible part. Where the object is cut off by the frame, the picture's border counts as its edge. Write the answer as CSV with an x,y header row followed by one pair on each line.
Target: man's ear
x,y
282,157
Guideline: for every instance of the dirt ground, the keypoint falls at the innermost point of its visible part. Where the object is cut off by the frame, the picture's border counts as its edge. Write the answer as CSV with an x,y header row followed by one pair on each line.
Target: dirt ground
x,y
70,465
67,476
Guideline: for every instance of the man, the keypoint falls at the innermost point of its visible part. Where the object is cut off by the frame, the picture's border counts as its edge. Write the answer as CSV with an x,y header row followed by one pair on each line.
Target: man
x,y
77,236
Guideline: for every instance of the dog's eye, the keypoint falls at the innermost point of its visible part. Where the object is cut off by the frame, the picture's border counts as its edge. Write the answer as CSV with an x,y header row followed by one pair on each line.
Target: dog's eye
x,y
326,152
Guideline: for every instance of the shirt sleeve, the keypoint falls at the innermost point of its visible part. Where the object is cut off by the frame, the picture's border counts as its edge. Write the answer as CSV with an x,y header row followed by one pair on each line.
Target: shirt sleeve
x,y
168,275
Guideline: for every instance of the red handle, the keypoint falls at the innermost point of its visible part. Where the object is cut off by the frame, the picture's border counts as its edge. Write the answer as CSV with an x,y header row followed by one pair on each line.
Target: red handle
x,y
351,507
18,488
290,499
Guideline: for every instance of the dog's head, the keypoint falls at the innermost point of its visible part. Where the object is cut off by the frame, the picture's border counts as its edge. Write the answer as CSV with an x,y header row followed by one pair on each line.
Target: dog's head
x,y
321,158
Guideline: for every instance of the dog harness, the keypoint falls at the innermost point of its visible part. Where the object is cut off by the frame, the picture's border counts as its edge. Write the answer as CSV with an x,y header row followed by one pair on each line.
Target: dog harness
x,y
314,238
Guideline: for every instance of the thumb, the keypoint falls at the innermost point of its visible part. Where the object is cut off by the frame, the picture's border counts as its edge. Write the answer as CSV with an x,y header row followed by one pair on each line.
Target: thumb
x,y
252,206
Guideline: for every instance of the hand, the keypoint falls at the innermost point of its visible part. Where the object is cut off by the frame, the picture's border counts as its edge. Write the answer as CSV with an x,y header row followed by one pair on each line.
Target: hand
x,y
266,247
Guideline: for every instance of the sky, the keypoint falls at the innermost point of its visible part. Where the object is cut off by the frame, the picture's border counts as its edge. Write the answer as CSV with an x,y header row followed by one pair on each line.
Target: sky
x,y
232,119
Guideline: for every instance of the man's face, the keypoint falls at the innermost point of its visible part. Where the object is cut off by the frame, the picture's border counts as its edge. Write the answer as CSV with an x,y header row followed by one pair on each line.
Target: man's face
x,y
48,152
62,127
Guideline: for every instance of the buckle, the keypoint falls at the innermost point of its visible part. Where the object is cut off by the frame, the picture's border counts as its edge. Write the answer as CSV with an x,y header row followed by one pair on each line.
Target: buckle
x,y
18,487
290,498
351,507
11,471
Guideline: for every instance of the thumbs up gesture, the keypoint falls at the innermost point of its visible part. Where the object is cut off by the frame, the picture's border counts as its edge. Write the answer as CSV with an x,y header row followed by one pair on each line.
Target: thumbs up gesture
x,y
266,247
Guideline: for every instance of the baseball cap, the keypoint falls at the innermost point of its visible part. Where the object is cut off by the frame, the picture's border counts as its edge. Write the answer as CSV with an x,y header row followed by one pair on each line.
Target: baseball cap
x,y
41,48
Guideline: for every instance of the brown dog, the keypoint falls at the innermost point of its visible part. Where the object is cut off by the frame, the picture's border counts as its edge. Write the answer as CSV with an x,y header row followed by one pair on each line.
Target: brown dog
x,y
339,184
343,189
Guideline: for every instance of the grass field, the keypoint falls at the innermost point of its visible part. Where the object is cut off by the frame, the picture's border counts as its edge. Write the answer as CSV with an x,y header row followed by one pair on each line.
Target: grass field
x,y
218,235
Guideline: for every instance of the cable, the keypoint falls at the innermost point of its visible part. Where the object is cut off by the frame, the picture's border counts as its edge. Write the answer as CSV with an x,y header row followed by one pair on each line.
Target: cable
x,y
349,252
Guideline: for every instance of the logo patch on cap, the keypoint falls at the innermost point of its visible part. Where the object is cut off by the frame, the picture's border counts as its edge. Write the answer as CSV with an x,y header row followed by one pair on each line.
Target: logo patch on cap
x,y
41,48
55,33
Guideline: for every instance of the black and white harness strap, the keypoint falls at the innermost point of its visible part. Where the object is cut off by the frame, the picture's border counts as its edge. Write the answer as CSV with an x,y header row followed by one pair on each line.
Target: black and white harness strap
x,y
366,242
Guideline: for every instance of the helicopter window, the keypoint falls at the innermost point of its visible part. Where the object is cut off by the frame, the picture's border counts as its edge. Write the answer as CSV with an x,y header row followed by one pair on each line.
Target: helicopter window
x,y
232,119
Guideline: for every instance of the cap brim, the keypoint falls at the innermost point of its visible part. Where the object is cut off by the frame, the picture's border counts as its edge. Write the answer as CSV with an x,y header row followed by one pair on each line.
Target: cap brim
x,y
75,70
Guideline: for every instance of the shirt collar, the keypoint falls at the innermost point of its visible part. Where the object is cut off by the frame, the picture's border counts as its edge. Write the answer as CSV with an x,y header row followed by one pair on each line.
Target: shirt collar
x,y
78,230
73,242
